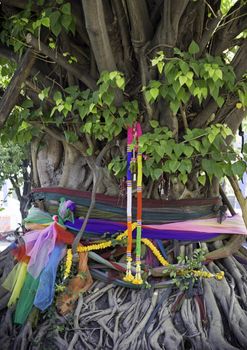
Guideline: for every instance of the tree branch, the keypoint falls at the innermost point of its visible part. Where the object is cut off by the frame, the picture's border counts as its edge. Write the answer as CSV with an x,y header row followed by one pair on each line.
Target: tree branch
x,y
240,198
74,68
233,24
141,26
239,61
97,176
16,188
98,35
124,31
12,92
210,28
167,31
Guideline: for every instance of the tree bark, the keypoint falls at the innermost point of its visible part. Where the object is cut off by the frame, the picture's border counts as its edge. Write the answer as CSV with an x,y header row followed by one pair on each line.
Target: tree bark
x,y
12,92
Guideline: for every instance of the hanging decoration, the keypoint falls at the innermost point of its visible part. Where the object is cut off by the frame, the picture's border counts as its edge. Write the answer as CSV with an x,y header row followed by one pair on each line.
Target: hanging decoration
x,y
134,134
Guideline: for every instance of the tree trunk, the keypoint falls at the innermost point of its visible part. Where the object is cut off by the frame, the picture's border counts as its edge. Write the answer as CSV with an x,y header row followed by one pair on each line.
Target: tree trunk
x,y
122,35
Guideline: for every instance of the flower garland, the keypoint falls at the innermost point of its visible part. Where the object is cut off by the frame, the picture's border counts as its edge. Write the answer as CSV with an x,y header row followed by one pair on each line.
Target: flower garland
x,y
197,273
205,274
106,244
98,246
68,263
155,251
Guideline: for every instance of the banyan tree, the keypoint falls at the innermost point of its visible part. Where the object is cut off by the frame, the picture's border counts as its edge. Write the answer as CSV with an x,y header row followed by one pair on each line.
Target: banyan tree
x,y
128,109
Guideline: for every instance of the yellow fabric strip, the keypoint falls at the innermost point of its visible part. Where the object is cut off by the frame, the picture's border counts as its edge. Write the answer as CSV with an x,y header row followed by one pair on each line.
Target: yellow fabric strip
x,y
139,167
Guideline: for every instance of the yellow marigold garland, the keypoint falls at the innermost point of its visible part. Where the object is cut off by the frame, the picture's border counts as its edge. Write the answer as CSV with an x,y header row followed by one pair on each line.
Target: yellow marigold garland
x,y
68,263
106,244
205,274
155,251
102,245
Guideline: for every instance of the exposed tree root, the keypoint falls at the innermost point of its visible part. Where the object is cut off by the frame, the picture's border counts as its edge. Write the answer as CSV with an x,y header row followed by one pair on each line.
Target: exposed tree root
x,y
110,317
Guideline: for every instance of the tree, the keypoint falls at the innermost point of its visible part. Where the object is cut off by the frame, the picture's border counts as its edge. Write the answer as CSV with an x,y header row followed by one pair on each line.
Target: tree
x,y
86,70
14,165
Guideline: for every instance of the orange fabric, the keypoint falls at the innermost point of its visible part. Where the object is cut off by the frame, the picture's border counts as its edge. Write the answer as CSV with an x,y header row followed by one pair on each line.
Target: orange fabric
x,y
77,285
20,254
129,246
65,237
139,206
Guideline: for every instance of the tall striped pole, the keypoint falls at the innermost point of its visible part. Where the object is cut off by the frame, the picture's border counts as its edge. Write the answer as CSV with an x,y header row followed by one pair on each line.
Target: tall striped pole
x,y
129,277
138,279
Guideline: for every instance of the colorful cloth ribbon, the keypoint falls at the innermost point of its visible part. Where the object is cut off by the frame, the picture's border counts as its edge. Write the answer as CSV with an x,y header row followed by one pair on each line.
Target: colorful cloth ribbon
x,y
46,289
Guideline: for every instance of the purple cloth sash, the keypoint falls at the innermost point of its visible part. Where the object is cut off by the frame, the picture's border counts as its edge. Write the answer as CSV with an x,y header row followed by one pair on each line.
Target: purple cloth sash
x,y
185,230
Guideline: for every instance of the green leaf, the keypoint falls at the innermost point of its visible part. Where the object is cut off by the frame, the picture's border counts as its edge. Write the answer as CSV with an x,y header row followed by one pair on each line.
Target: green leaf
x,y
154,92
204,92
209,166
27,104
154,123
120,82
68,106
108,98
46,22
83,110
54,109
202,179
113,74
184,67
182,80
163,91
44,93
60,108
66,9
58,97
176,86
55,23
211,137
148,95
239,168
218,73
190,75
183,178
185,166
214,90
220,101
154,84
173,165
66,21
178,149
72,90
196,68
160,66
193,48
87,127
36,24
157,173
160,151
24,125
188,150
174,105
